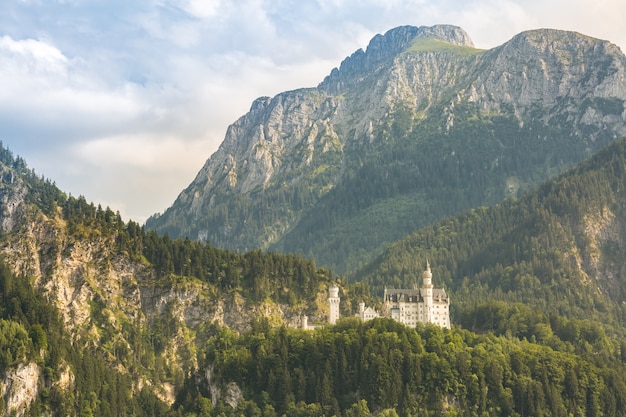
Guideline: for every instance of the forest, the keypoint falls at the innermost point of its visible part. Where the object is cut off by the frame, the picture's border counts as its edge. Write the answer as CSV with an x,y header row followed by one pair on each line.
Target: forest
x,y
542,249
384,368
530,336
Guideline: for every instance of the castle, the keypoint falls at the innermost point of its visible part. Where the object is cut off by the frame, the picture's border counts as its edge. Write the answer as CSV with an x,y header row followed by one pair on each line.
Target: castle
x,y
423,304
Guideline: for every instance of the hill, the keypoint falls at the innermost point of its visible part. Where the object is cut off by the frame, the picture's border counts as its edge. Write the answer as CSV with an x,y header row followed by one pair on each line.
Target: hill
x,y
418,127
538,283
559,249
99,317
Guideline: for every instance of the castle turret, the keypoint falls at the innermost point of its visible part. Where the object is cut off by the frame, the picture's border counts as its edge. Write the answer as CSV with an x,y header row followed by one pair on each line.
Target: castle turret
x,y
427,276
427,293
361,313
333,304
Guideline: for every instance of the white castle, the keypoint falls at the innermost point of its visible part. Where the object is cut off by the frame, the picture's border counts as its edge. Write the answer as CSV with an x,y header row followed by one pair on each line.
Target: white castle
x,y
418,305
423,304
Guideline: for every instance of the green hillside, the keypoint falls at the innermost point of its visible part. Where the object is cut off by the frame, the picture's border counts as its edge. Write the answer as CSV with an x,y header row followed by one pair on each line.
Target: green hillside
x,y
537,295
382,368
108,351
536,282
559,249
31,331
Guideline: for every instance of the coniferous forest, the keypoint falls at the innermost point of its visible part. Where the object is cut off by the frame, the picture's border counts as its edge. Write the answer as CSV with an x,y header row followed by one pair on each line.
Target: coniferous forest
x,y
384,368
531,336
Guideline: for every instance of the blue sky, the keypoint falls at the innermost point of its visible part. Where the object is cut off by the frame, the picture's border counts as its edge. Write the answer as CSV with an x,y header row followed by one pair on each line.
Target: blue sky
x,y
122,101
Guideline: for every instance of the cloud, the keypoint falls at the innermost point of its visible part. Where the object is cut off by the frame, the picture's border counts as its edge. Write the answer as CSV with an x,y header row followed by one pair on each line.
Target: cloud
x,y
32,56
45,94
201,9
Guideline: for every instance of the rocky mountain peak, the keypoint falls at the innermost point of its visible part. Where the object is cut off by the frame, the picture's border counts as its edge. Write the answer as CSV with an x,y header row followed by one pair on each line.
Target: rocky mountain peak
x,y
563,69
571,48
383,48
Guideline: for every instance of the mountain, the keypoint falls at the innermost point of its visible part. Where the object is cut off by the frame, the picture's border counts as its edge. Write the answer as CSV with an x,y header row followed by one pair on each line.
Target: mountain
x,y
418,127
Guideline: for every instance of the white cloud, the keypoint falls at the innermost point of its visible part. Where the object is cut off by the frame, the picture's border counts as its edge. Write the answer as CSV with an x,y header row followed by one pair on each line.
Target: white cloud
x,y
142,152
31,56
202,9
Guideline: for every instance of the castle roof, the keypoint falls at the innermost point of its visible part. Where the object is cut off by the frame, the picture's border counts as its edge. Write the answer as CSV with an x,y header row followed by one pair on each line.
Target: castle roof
x,y
440,294
403,295
412,295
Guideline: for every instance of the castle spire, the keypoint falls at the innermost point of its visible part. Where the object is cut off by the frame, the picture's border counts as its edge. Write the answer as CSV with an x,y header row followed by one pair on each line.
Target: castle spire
x,y
427,276
427,293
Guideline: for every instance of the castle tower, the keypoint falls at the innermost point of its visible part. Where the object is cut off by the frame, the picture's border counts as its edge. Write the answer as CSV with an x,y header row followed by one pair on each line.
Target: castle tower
x,y
427,293
362,311
333,304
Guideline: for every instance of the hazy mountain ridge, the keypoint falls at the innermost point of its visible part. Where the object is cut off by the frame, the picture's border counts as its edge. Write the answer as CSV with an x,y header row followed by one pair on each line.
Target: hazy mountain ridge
x,y
279,163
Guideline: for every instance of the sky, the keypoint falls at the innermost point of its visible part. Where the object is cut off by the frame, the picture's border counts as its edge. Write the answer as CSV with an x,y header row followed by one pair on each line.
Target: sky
x,y
122,101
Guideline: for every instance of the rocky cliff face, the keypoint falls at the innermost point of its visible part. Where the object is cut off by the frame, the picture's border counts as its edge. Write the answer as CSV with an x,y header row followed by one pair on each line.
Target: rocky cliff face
x,y
19,387
280,160
280,135
557,72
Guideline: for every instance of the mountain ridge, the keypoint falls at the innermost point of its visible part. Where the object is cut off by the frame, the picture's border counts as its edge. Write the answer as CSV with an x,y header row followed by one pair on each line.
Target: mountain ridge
x,y
533,106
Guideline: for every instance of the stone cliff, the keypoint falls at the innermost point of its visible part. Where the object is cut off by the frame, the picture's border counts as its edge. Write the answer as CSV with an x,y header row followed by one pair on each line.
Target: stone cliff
x,y
19,387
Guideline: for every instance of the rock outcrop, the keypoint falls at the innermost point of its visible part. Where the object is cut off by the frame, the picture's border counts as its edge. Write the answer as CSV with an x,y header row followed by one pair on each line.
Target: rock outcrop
x,y
19,387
